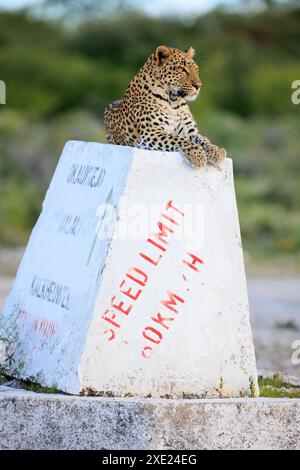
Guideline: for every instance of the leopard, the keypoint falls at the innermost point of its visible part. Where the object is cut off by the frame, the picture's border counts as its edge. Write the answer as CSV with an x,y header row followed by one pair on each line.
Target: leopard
x,y
154,113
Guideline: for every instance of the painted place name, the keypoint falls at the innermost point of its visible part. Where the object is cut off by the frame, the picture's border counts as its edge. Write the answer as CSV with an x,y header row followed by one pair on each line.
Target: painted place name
x,y
70,224
41,326
86,175
50,291
159,323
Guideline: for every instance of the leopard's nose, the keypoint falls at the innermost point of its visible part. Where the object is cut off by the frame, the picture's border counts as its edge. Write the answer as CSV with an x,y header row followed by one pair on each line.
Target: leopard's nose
x,y
197,85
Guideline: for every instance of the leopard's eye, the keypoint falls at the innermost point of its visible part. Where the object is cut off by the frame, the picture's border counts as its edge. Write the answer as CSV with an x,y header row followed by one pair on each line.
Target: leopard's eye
x,y
185,71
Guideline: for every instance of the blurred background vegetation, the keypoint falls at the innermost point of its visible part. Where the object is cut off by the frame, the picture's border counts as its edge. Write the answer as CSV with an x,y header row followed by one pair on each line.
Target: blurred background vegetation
x,y
63,61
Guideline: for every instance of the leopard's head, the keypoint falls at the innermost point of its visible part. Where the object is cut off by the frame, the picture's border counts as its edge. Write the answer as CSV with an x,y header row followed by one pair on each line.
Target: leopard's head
x,y
177,72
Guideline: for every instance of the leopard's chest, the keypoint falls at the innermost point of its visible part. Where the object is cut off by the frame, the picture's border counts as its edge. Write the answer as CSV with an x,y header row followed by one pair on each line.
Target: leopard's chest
x,y
171,119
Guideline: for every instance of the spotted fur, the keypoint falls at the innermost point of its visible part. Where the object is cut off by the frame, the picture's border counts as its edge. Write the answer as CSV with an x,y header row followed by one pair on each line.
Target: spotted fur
x,y
154,113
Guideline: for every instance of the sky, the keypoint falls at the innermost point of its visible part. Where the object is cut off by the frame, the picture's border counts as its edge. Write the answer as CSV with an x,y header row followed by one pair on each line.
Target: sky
x,y
150,6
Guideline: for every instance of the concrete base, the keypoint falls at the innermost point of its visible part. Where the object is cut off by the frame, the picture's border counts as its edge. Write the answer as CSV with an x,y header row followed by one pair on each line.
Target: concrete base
x,y
39,421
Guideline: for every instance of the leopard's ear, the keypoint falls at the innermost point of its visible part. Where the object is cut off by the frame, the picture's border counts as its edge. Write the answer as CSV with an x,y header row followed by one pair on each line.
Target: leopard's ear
x,y
161,54
190,52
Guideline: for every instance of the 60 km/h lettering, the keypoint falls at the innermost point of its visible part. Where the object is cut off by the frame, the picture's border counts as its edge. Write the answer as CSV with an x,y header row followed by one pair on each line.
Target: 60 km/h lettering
x,y
132,286
154,332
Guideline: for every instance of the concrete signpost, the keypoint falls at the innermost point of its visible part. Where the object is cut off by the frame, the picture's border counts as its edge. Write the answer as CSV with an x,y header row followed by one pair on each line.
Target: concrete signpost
x,y
133,282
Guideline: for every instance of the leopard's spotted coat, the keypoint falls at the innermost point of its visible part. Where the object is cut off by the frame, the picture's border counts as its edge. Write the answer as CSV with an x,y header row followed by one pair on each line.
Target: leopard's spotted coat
x,y
154,113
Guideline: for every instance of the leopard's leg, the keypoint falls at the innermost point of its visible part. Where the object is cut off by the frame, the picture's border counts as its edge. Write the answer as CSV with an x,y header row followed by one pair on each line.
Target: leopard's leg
x,y
215,154
188,129
161,140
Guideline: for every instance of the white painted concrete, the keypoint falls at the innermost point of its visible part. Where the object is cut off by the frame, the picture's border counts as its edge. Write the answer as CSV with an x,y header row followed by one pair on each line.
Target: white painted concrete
x,y
102,304
38,421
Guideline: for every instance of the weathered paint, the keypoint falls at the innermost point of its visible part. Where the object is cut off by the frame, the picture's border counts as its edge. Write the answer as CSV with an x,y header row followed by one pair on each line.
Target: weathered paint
x,y
47,338
153,298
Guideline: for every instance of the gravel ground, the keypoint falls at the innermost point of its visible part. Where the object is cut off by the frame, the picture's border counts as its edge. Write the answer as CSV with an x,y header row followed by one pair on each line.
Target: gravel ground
x,y
275,319
275,315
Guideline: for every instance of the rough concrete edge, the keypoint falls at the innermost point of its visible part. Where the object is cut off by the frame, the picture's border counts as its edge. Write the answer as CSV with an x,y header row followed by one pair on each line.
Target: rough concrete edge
x,y
8,392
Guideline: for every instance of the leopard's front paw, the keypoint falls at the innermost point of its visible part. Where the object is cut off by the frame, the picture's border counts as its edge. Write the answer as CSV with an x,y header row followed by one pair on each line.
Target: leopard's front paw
x,y
196,156
215,154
